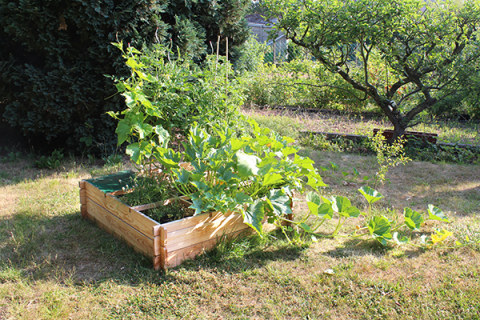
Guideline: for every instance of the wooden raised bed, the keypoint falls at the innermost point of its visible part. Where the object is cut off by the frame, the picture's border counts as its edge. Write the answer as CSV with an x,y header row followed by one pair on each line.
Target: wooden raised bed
x,y
422,136
168,244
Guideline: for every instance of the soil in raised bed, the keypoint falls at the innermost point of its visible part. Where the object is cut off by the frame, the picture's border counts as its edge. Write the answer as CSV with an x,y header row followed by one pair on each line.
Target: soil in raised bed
x,y
173,209
158,191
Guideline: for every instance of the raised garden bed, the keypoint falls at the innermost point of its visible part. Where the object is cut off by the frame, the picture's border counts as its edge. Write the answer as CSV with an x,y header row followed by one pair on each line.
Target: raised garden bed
x,y
422,136
168,244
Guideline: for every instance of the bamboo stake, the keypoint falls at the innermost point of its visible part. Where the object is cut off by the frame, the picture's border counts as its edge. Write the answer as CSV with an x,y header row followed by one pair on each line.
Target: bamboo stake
x,y
226,76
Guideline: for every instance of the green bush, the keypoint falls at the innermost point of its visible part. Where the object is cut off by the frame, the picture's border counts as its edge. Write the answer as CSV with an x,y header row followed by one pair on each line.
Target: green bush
x,y
166,96
301,83
54,55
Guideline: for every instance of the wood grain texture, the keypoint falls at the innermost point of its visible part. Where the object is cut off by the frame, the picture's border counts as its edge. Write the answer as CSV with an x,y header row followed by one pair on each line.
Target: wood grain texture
x,y
208,229
135,219
174,258
159,260
83,196
191,221
160,241
83,210
119,228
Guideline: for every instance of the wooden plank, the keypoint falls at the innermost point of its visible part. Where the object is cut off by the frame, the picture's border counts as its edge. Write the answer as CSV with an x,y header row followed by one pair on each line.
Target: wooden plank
x,y
132,217
190,221
81,184
83,210
83,196
174,258
120,229
183,200
159,260
209,229
160,241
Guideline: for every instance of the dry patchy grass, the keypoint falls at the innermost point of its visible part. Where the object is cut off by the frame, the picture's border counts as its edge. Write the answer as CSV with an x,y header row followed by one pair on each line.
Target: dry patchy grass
x,y
451,132
53,264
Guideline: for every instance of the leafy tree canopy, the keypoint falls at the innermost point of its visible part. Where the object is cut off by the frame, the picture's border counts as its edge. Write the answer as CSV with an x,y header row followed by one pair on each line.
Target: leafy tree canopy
x,y
404,55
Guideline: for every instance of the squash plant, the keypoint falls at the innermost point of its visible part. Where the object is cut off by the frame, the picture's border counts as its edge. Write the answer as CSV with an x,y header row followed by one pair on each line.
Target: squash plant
x,y
253,174
380,228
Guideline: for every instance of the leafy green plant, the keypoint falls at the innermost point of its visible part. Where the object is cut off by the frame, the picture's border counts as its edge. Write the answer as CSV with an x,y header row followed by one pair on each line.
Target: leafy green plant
x,y
420,150
388,155
12,156
54,55
164,96
254,175
378,227
112,160
52,162
169,211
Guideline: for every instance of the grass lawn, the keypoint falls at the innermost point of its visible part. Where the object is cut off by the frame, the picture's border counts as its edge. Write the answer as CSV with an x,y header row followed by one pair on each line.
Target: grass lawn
x,y
55,265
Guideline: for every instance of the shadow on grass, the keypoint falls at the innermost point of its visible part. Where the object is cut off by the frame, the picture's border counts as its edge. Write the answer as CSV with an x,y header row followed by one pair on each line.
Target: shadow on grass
x,y
361,248
241,254
63,248
69,250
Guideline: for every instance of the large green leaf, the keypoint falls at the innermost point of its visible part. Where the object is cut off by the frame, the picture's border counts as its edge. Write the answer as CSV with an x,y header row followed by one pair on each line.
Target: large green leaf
x,y
340,204
199,206
143,129
370,194
352,212
288,151
325,211
163,136
254,215
313,197
133,150
123,131
183,176
413,219
279,202
317,208
272,178
379,228
435,213
400,239
241,198
247,165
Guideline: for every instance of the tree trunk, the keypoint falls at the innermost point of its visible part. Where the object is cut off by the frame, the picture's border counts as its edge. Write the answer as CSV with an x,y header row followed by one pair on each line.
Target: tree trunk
x,y
398,131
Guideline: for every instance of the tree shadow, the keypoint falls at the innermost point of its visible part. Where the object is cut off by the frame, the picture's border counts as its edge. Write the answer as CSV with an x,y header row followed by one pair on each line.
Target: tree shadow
x,y
68,249
63,248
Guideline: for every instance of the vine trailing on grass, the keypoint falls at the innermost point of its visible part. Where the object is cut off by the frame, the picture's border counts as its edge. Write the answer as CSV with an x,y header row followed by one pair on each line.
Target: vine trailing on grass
x,y
253,173
380,228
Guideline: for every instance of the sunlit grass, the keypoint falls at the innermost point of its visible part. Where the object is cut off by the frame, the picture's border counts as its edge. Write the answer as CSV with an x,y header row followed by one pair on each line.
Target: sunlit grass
x,y
448,131
56,265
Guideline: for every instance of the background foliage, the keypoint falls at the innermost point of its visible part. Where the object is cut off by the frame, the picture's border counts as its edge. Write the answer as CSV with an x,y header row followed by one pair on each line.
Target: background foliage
x,y
425,52
54,54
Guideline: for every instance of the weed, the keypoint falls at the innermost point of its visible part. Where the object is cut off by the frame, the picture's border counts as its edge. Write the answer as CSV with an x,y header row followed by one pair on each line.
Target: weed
x,y
52,162
388,155
12,156
110,161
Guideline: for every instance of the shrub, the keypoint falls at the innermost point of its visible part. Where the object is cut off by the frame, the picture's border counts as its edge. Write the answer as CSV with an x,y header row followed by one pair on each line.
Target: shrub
x,y
54,54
